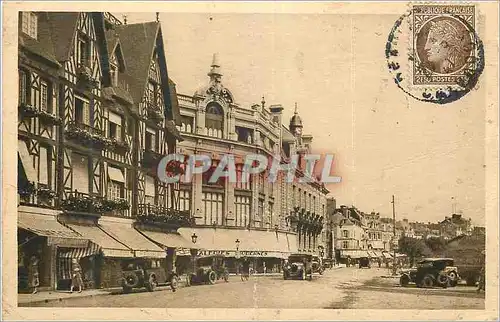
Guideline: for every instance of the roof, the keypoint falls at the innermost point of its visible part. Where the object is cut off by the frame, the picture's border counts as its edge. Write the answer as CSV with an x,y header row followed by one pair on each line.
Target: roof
x,y
63,28
287,135
42,46
138,42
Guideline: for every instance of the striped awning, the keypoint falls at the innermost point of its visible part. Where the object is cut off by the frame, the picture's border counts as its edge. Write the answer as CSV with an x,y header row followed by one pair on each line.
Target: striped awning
x,y
78,253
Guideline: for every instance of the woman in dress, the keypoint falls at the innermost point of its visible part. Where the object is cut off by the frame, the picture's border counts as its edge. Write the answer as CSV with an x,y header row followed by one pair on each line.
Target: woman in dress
x,y
76,277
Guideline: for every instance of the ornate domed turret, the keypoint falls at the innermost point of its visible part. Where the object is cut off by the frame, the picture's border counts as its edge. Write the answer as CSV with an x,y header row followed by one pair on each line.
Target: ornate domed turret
x,y
215,86
296,123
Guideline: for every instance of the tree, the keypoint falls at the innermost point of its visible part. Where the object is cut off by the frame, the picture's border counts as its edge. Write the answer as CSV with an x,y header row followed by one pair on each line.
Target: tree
x,y
414,248
436,244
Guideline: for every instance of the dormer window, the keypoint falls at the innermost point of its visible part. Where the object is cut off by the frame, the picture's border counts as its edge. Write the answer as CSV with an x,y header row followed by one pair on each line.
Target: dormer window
x,y
113,70
29,24
83,50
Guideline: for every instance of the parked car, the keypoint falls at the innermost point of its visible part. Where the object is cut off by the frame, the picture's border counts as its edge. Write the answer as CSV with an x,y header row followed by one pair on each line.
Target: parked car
x,y
209,270
139,273
431,272
364,262
317,265
296,267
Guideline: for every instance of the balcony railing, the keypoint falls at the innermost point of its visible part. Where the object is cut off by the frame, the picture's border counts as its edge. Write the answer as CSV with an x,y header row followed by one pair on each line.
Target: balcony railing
x,y
87,135
163,216
29,111
89,204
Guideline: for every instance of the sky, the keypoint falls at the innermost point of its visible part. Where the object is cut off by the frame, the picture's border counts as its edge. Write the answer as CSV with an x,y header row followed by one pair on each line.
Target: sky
x,y
385,143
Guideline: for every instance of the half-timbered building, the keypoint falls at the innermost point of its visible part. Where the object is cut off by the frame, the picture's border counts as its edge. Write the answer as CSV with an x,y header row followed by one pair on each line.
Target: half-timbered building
x,y
96,109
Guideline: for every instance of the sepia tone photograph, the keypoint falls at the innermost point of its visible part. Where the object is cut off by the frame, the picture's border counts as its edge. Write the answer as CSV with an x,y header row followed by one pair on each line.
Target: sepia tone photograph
x,y
212,159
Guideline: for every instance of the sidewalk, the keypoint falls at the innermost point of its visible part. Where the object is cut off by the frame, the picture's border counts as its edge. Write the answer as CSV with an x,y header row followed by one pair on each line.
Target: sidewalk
x,y
57,296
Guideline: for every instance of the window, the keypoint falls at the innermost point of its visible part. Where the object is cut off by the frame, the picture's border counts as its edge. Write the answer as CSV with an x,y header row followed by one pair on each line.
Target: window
x,y
240,173
260,211
80,167
242,205
83,50
44,96
244,134
187,124
184,200
82,110
261,182
214,118
345,244
345,234
23,87
152,93
115,126
29,24
113,71
271,212
149,192
116,183
45,163
115,190
212,207
150,144
208,174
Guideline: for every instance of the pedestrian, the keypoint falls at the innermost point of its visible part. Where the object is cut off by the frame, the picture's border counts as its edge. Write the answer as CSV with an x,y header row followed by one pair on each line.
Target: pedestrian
x,y
76,277
379,262
33,273
481,286
264,267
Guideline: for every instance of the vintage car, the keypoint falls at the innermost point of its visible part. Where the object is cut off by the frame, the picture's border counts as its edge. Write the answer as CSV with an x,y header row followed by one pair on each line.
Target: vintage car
x,y
209,270
364,262
296,267
139,273
317,265
431,272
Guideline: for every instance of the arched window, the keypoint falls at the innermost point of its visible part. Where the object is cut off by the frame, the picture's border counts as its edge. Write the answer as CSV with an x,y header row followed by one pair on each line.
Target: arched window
x,y
214,117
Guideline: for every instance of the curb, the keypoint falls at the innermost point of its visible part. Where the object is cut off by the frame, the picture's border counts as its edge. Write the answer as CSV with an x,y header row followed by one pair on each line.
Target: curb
x,y
60,299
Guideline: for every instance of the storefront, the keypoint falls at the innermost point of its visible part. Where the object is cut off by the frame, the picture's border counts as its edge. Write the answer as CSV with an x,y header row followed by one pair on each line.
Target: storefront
x,y
40,235
266,250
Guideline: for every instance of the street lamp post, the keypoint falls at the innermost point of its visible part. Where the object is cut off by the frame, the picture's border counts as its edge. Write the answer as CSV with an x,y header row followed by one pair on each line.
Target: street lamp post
x,y
237,256
194,252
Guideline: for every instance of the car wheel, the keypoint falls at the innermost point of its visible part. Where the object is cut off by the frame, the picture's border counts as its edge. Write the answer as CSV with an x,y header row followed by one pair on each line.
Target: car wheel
x,y
130,280
404,280
427,281
212,277
174,283
442,280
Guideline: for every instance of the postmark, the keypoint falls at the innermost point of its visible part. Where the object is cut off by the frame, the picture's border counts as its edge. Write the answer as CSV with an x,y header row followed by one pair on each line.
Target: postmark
x,y
434,52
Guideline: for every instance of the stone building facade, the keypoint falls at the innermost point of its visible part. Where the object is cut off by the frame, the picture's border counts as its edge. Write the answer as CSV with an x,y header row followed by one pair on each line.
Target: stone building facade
x,y
245,218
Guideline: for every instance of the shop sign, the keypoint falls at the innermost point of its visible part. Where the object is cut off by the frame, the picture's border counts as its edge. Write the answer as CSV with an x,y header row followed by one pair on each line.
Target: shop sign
x,y
67,242
232,253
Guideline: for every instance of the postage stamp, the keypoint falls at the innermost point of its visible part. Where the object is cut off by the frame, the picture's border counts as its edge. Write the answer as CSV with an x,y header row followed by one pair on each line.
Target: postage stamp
x,y
442,55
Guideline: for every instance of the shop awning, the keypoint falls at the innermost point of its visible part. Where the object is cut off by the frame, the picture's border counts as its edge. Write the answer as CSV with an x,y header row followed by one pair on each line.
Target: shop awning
x,y
387,255
252,243
174,240
354,253
46,225
78,253
115,175
126,234
109,246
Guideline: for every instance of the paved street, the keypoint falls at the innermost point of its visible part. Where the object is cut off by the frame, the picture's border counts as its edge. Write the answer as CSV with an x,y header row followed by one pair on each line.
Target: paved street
x,y
343,288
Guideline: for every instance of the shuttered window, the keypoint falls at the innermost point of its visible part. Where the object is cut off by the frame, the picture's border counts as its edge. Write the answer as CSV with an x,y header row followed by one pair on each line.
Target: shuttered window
x,y
44,165
29,24
23,87
80,166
